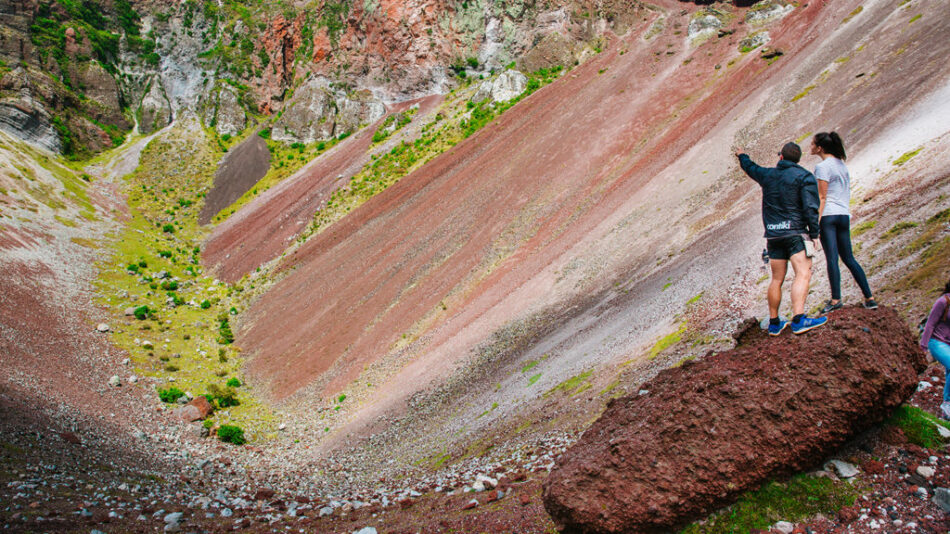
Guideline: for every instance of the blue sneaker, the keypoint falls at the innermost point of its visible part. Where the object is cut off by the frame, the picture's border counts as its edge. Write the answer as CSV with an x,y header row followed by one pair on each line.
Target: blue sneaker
x,y
776,329
807,323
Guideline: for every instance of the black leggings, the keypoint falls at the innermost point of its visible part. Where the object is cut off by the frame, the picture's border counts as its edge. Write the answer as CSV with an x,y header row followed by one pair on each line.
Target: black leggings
x,y
836,239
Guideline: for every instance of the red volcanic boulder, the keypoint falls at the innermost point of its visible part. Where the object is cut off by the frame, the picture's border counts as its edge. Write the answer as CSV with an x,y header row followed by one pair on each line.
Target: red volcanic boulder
x,y
197,409
695,437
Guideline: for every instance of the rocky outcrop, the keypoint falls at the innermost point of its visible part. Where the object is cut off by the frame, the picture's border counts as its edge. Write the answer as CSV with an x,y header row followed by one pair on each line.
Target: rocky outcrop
x,y
224,112
29,121
506,86
155,111
768,11
697,436
318,111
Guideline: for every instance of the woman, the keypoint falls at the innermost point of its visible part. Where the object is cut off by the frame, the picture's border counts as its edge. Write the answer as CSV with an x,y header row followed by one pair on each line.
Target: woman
x,y
936,339
834,191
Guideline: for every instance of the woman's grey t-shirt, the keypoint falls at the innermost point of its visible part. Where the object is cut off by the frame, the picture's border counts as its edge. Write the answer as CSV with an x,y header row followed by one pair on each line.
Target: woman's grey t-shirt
x,y
833,171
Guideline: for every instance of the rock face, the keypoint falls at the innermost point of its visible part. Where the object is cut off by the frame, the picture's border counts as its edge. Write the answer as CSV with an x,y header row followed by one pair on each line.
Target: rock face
x,y
155,112
320,112
506,86
710,430
228,115
30,122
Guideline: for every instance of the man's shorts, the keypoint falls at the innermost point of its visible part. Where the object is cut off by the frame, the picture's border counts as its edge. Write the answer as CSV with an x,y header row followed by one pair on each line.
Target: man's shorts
x,y
783,248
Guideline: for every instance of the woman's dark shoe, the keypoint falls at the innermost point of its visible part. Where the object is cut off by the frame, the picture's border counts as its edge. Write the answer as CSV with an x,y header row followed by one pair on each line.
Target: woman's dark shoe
x,y
870,304
829,307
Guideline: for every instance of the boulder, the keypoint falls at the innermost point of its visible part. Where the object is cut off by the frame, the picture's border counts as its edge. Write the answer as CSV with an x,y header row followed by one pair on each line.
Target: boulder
x,y
714,428
506,86
196,410
767,11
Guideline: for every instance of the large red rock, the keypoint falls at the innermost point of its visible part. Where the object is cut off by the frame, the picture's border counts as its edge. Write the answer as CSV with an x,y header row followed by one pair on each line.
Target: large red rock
x,y
709,430
199,408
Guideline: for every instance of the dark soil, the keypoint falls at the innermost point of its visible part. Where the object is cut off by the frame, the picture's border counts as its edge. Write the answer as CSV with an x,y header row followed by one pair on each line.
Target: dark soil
x,y
243,167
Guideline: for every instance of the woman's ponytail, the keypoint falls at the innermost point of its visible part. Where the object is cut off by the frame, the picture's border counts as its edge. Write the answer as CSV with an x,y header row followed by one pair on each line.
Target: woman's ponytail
x,y
831,143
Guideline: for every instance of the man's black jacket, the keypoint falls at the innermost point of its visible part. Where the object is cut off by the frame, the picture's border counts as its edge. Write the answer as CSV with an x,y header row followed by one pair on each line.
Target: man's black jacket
x,y
789,198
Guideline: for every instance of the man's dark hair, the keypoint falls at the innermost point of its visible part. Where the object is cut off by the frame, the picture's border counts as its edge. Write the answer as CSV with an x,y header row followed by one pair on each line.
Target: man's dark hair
x,y
792,152
946,288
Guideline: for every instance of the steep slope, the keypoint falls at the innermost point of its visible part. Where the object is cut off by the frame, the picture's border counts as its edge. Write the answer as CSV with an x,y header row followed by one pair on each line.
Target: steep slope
x,y
619,175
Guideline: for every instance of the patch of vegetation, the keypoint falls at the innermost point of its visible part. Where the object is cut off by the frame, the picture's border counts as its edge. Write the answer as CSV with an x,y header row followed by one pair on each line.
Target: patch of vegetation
x,y
222,397
862,227
225,335
231,434
918,426
534,379
529,366
900,227
853,14
695,298
233,383
800,498
170,395
393,124
804,93
667,342
573,385
906,156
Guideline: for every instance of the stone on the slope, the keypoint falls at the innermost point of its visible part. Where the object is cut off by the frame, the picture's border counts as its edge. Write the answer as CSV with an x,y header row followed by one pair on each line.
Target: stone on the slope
x,y
325,511
784,527
926,471
942,430
843,469
102,327
505,87
754,41
768,11
470,504
366,530
115,381
714,428
174,517
942,498
129,311
197,409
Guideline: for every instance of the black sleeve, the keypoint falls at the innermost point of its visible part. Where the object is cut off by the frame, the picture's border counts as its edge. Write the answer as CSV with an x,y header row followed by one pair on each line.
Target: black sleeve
x,y
754,171
810,204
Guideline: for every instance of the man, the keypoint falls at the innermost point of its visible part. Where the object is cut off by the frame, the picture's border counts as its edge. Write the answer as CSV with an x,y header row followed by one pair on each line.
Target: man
x,y
790,214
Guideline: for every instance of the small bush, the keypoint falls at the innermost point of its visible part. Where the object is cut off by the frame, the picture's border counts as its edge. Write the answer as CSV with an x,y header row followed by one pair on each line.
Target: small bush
x,y
165,253
233,383
171,368
205,304
170,285
341,398
133,267
265,133
225,335
231,434
168,229
224,397
143,264
170,395
143,312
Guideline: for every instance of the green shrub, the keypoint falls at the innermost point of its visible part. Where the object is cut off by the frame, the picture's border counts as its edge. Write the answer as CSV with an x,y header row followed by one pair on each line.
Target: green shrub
x,y
143,312
170,395
168,228
205,304
165,253
225,335
231,434
341,398
143,264
233,383
224,397
265,133
133,267
170,285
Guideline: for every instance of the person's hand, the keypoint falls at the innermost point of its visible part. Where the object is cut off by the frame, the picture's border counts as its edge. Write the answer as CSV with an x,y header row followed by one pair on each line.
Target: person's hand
x,y
740,151
817,243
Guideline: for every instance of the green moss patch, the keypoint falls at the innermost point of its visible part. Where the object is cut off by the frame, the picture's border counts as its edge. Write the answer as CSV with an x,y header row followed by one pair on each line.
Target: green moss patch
x,y
666,342
798,499
573,385
906,156
919,427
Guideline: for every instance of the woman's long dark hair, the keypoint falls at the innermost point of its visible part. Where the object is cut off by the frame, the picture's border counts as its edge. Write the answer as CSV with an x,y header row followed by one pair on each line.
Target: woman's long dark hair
x,y
831,144
946,288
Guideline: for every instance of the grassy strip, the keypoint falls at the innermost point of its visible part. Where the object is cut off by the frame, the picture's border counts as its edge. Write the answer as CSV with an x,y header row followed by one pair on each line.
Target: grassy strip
x,y
179,332
456,122
800,498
